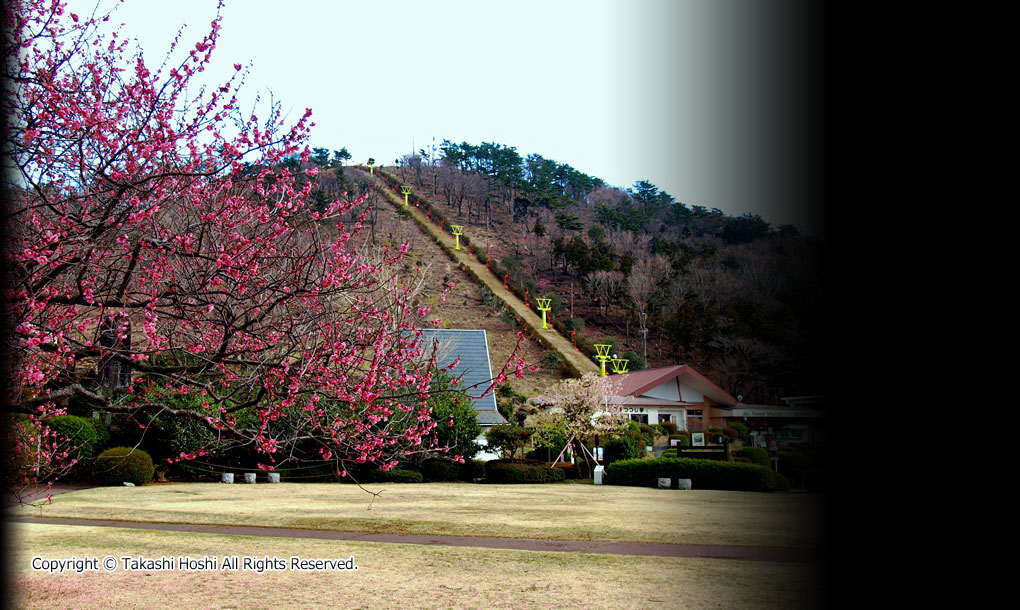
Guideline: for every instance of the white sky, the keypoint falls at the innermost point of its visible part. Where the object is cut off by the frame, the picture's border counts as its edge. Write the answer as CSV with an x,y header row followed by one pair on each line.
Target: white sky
x,y
695,96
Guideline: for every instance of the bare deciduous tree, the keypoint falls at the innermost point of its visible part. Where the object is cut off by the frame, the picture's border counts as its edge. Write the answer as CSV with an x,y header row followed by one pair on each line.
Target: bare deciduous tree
x,y
643,283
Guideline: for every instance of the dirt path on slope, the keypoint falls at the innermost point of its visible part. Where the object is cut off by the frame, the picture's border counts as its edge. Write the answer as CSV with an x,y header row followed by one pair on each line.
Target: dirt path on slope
x,y
528,317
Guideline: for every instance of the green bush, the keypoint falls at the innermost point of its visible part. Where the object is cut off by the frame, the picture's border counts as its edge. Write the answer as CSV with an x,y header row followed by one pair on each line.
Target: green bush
x,y
739,427
83,438
781,483
168,437
624,447
795,465
123,464
521,471
757,455
508,439
704,474
433,470
683,436
394,475
82,433
475,470
634,362
551,360
569,469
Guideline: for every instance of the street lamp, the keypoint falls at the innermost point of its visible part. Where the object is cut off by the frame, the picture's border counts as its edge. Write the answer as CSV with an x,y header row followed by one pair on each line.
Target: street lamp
x,y
543,306
458,230
602,355
406,190
620,364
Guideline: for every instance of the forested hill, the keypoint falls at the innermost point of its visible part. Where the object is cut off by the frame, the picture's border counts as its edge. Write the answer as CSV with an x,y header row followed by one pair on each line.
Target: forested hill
x,y
742,301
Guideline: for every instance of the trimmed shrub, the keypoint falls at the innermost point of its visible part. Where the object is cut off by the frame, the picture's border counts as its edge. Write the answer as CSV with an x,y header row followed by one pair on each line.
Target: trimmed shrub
x,y
435,470
569,469
704,474
739,427
82,432
757,455
795,465
124,464
625,447
394,475
684,437
475,469
521,471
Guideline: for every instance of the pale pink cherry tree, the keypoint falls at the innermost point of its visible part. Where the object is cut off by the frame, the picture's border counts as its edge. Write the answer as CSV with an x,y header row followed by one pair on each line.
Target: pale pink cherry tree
x,y
153,231
585,408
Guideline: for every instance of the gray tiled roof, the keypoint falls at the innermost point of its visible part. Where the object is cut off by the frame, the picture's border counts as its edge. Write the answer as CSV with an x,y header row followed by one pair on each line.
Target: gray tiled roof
x,y
472,346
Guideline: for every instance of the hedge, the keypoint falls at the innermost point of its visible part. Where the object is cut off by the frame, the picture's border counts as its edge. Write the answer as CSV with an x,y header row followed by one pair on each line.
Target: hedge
x,y
394,475
704,474
505,471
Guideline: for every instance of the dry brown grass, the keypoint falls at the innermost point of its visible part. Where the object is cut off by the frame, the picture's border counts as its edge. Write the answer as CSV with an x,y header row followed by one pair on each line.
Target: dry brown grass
x,y
556,512
389,576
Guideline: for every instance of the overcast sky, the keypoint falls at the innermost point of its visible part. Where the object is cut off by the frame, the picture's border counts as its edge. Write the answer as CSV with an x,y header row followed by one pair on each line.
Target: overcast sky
x,y
713,101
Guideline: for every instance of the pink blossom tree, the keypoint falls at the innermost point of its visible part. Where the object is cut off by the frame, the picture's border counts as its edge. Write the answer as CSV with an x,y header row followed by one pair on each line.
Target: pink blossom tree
x,y
160,259
585,409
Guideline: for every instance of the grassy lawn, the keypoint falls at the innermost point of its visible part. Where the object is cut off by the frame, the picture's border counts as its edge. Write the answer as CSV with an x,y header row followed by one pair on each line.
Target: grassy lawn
x,y
388,576
555,512
421,576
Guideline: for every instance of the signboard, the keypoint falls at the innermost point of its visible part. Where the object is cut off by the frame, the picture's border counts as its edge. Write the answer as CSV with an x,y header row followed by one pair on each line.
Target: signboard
x,y
778,412
698,439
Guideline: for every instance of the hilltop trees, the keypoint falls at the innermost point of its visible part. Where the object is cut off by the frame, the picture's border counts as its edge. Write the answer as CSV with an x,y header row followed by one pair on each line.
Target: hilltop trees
x,y
159,230
698,282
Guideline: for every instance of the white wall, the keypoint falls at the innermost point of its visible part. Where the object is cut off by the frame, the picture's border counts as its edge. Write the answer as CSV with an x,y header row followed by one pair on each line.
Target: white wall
x,y
690,394
485,455
666,391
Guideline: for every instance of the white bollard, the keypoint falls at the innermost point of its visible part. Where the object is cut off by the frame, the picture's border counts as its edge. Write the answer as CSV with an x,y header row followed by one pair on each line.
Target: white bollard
x,y
249,477
683,483
274,477
664,483
599,474
228,477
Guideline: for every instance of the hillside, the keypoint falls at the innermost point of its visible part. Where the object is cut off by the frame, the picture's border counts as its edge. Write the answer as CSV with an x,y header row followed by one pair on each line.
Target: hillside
x,y
740,300
466,305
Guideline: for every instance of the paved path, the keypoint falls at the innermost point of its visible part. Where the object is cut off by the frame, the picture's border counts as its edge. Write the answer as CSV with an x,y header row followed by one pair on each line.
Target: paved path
x,y
747,553
39,494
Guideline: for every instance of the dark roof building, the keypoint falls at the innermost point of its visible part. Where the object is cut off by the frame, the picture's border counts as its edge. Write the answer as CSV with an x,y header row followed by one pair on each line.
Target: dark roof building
x,y
472,347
